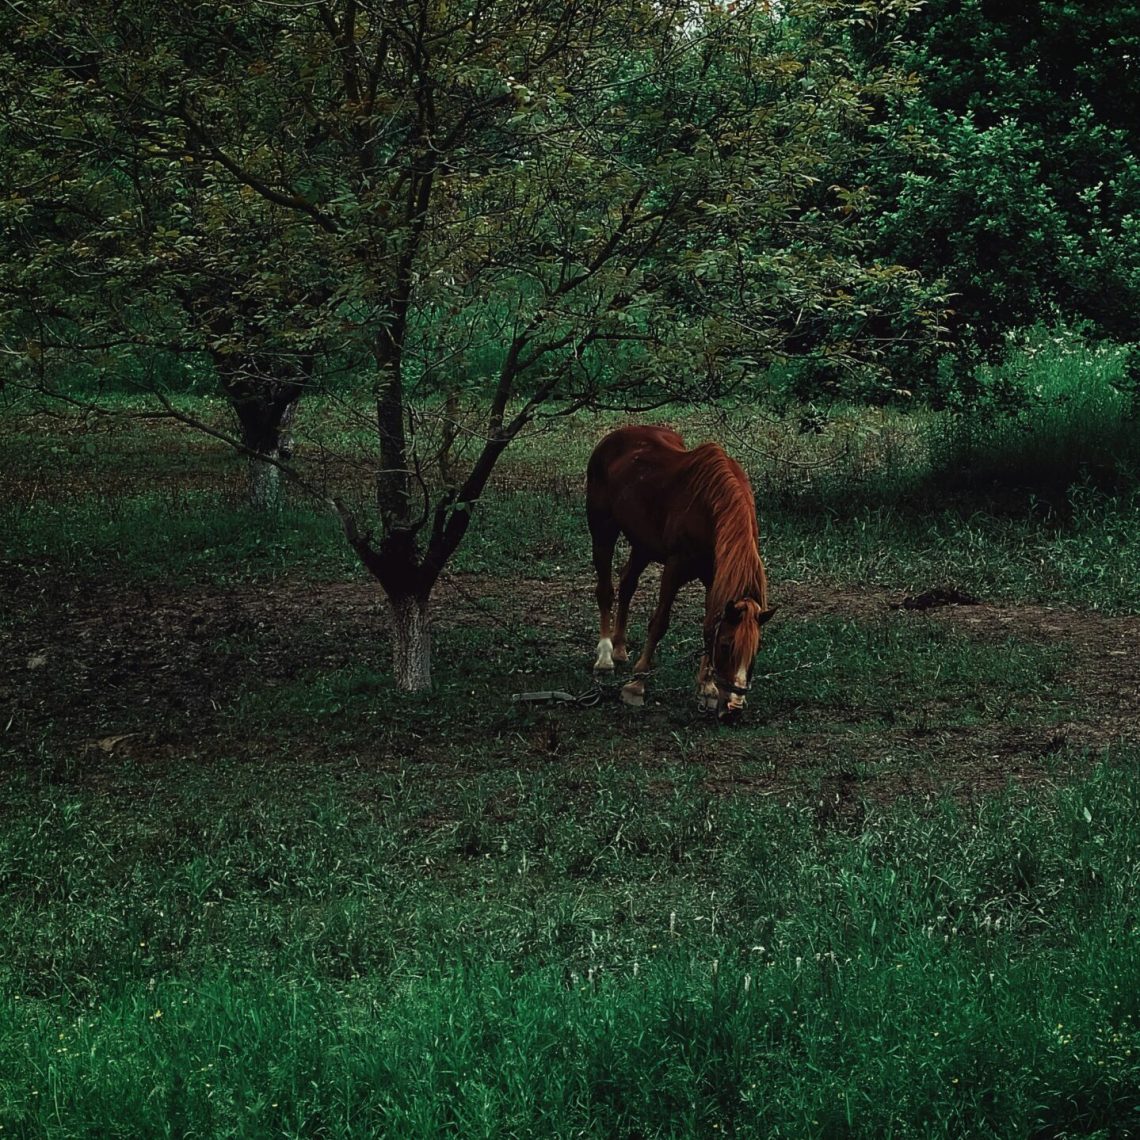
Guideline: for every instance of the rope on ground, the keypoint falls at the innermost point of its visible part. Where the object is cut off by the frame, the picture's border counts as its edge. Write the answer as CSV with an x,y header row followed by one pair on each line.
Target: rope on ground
x,y
585,700
794,669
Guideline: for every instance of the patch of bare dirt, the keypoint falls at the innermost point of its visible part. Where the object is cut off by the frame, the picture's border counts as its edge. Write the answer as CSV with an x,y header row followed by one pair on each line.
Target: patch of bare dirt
x,y
1102,651
116,672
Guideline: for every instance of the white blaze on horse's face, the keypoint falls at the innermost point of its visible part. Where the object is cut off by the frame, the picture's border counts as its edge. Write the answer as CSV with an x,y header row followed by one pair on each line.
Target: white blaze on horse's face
x,y
736,701
735,643
728,701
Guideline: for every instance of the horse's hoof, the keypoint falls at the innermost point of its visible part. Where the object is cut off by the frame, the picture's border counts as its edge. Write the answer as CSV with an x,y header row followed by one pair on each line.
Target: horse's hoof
x,y
604,667
633,694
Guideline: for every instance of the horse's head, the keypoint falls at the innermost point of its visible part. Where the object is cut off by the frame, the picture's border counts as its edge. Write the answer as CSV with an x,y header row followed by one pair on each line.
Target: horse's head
x,y
731,644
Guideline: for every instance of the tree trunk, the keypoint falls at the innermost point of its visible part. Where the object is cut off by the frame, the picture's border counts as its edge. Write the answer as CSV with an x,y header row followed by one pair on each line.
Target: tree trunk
x,y
266,429
411,643
274,438
264,482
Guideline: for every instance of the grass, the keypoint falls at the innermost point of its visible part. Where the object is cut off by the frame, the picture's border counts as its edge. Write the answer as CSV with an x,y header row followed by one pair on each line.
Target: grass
x,y
245,890
323,965
1088,558
194,537
1072,421
817,674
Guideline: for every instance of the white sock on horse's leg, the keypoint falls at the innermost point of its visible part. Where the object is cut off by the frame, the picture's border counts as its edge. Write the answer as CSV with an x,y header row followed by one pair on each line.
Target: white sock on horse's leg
x,y
605,659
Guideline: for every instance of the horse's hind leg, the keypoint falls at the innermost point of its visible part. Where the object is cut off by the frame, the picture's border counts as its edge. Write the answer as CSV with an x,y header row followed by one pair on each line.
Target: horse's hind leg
x,y
604,535
627,585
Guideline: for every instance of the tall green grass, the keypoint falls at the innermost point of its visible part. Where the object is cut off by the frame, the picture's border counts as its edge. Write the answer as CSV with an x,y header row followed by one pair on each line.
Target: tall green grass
x,y
324,965
1067,417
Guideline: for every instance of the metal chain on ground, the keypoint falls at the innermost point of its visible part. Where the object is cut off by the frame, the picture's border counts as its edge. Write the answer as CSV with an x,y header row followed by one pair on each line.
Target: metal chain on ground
x,y
586,699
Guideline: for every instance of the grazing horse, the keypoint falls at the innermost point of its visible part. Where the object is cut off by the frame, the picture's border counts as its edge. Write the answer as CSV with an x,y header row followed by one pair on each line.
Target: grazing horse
x,y
693,512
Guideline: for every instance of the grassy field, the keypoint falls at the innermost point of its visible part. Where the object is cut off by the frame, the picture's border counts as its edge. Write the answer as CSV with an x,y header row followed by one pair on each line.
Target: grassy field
x,y
247,890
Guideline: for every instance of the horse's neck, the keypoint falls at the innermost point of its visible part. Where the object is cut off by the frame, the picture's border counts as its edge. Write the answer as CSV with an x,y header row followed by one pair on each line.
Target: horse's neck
x,y
739,571
721,493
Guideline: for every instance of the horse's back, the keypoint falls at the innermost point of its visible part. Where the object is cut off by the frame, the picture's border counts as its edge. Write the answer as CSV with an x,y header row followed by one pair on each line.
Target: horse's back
x,y
626,446
634,484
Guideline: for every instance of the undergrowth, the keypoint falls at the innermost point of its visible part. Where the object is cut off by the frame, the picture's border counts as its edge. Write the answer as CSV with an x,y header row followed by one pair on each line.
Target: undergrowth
x,y
649,963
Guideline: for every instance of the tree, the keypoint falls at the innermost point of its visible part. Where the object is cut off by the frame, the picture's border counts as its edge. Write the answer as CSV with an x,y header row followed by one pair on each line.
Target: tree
x,y
137,260
1018,178
514,209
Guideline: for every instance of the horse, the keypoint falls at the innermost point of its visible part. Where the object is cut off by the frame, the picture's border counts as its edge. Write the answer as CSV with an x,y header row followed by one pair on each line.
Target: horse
x,y
694,513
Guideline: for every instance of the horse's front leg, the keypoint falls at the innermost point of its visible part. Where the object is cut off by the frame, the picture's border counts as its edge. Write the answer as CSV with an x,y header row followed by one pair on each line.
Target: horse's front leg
x,y
708,696
673,578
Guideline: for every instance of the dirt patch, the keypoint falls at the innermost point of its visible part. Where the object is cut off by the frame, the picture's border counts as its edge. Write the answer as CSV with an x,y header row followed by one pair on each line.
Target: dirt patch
x,y
112,673
1102,662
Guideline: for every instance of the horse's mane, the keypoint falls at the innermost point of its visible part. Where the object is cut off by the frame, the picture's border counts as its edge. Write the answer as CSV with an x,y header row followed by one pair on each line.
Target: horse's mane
x,y
720,484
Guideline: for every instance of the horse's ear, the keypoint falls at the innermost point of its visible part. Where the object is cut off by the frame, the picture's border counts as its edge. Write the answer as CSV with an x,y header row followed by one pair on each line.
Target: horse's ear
x,y
766,615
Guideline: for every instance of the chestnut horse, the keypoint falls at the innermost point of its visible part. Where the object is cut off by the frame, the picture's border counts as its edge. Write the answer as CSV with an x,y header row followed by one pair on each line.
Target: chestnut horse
x,y
693,512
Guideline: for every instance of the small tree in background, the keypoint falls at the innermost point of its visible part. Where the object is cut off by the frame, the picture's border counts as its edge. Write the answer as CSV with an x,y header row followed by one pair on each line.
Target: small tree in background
x,y
137,261
510,210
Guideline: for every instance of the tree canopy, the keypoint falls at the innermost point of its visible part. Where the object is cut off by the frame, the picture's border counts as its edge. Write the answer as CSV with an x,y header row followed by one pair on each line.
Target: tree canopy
x,y
1021,185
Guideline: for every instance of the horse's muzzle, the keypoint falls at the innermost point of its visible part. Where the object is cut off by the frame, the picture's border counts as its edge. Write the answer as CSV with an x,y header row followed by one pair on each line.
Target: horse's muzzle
x,y
722,697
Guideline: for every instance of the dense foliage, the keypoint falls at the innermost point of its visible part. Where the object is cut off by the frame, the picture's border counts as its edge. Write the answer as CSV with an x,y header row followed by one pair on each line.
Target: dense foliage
x,y
1020,181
